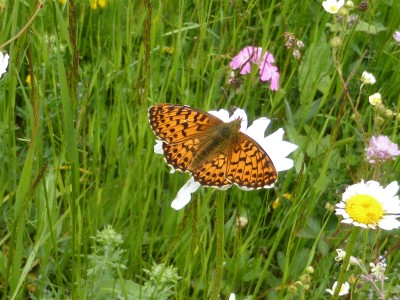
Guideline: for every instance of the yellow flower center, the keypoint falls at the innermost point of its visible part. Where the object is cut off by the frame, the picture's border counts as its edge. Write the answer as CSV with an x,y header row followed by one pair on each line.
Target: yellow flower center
x,y
364,209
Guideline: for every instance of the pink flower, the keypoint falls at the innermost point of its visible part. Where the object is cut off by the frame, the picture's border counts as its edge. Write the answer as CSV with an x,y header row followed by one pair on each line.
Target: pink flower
x,y
246,55
269,72
381,148
252,55
396,36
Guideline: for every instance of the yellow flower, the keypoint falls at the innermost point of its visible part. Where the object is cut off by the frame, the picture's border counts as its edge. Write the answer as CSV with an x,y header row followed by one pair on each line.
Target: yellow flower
x,y
169,50
99,3
62,1
288,196
28,80
275,204
102,3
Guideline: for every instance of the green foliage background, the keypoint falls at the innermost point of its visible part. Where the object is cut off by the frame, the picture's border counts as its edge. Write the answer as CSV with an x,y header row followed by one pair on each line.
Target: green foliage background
x,y
76,150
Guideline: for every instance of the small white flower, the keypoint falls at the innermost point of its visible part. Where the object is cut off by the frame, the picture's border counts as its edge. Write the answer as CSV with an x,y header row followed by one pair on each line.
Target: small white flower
x,y
310,270
378,270
349,4
300,44
369,205
232,296
3,63
273,144
375,99
344,289
332,6
341,255
396,36
367,78
241,222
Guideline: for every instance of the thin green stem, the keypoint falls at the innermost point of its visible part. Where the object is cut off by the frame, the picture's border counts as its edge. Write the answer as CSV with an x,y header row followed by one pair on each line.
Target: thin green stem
x,y
219,229
349,250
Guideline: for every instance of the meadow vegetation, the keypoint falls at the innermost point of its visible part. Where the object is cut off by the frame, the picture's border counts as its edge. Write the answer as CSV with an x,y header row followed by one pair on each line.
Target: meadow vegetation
x,y
86,203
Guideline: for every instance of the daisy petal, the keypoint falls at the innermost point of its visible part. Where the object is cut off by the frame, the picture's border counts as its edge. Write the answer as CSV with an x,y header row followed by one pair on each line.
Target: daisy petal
x,y
184,195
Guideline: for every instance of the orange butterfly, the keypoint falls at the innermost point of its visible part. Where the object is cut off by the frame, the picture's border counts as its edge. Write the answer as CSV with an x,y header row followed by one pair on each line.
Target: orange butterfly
x,y
217,154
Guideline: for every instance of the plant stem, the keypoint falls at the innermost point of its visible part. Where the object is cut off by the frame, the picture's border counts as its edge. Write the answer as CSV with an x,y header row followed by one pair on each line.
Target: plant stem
x,y
219,229
349,250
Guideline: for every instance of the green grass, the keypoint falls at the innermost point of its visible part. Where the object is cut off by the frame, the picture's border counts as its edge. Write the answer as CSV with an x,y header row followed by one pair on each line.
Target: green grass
x,y
76,150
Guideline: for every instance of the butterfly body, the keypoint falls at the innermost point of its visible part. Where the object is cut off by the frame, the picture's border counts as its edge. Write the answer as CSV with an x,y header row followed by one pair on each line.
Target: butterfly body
x,y
216,153
217,140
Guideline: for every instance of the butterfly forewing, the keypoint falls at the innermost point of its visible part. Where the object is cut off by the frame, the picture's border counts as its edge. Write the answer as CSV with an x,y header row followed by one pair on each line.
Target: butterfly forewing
x,y
176,123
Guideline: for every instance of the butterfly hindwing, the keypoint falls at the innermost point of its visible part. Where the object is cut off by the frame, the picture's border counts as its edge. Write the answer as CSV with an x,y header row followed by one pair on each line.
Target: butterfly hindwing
x,y
180,155
213,173
249,165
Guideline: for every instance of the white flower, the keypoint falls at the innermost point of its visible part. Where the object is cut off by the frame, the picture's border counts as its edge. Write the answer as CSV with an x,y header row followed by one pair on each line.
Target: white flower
x,y
273,144
378,270
241,222
332,6
381,149
396,36
349,4
341,255
3,63
369,205
367,78
375,99
344,289
232,296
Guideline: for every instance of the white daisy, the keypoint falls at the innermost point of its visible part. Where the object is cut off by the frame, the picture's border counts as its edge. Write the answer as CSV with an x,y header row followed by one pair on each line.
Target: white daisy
x,y
369,205
344,289
273,144
3,63
332,6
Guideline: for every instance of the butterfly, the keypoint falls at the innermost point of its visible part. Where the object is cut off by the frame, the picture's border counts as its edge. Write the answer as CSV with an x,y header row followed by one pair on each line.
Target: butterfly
x,y
215,153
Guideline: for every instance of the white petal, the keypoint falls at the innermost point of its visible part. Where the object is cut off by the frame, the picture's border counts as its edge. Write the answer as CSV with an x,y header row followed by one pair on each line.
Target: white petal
x,y
221,114
257,129
372,184
347,221
341,205
329,291
389,223
392,188
158,147
282,164
232,296
184,195
238,113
